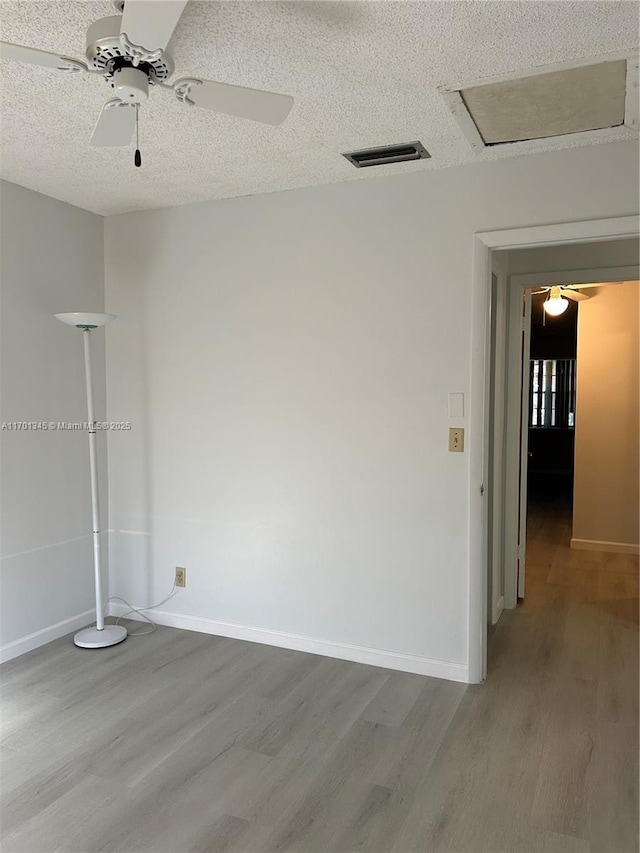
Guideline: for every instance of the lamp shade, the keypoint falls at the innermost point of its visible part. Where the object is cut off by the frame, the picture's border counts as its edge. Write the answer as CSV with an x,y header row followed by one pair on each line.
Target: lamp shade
x,y
85,320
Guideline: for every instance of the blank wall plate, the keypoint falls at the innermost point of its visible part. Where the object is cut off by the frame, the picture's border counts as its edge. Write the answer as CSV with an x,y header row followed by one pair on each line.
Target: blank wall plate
x,y
456,405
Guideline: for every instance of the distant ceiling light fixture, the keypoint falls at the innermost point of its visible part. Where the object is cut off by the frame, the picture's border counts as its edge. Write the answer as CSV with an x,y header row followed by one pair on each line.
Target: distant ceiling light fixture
x,y
555,304
388,154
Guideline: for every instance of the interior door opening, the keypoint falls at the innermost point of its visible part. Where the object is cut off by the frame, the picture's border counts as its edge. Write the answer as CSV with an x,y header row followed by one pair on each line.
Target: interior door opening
x,y
535,410
549,424
579,376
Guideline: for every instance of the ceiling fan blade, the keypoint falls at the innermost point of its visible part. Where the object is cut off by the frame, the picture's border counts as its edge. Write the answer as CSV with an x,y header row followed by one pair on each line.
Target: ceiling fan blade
x,y
254,104
150,23
116,124
574,295
33,56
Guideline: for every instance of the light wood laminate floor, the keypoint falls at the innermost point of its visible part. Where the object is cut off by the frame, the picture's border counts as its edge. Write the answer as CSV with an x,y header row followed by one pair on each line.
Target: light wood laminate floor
x,y
184,742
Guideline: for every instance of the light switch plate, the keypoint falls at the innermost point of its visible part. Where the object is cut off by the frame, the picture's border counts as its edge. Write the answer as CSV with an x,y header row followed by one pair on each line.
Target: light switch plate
x,y
456,405
456,440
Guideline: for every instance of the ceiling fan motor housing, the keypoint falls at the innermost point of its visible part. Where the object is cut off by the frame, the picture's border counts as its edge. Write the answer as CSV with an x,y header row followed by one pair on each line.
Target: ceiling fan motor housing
x,y
107,51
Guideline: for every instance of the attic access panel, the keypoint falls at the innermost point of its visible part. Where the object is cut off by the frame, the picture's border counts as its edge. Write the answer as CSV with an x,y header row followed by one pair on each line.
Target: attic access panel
x,y
592,99
570,101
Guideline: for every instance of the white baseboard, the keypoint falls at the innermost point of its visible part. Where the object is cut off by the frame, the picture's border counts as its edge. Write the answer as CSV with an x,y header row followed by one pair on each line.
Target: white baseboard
x,y
497,610
360,654
611,547
46,635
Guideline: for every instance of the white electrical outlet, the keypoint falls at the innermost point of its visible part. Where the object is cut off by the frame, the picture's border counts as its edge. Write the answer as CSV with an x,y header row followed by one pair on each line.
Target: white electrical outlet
x,y
181,576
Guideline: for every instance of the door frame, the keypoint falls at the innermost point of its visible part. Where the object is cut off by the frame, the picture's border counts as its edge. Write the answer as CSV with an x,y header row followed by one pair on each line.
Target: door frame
x,y
484,243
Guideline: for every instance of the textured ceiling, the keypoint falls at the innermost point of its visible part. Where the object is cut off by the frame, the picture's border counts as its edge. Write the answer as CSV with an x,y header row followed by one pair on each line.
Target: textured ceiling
x,y
362,73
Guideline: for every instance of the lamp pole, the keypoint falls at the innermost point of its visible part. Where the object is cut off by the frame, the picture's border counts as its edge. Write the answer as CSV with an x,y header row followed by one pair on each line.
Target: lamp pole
x,y
93,463
100,635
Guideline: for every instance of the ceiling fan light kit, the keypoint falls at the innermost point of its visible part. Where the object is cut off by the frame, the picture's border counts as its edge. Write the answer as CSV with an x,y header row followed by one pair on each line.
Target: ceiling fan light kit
x,y
555,304
129,51
559,296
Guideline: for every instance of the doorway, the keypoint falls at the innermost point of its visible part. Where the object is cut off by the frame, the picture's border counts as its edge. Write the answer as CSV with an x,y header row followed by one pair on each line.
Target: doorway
x,y
490,359
541,401
551,403
549,423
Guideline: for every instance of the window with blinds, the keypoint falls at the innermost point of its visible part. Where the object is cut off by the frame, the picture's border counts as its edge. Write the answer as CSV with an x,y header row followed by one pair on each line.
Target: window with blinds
x,y
552,393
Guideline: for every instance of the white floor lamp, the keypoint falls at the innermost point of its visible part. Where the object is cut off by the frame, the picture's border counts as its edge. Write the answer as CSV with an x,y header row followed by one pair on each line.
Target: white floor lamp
x,y
101,635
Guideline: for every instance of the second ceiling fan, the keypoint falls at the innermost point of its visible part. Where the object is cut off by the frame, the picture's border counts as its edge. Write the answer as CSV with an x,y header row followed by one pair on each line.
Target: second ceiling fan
x,y
557,301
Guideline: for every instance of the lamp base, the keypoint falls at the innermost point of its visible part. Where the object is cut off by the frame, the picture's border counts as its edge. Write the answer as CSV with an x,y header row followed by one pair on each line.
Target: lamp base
x,y
91,638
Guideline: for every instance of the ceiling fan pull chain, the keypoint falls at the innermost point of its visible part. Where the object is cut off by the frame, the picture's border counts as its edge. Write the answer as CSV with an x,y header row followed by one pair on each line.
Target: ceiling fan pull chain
x,y
138,156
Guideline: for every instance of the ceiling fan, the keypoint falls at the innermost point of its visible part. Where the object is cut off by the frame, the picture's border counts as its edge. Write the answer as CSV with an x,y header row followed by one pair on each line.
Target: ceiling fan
x,y
129,51
557,301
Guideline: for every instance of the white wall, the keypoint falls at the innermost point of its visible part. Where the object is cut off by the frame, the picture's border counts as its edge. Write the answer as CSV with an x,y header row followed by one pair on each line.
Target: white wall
x,y
286,361
606,511
51,261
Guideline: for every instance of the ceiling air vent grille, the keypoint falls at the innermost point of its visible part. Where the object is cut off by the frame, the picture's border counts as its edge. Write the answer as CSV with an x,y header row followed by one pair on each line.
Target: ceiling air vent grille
x,y
388,154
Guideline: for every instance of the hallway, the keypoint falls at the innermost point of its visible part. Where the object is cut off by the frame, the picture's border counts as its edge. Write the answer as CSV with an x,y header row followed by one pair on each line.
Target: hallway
x,y
544,755
567,659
